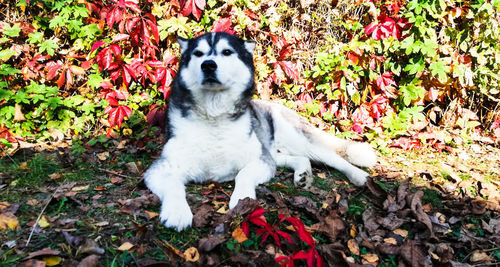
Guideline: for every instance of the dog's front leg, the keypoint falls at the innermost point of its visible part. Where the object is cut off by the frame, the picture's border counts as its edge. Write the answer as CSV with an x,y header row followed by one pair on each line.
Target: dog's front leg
x,y
253,174
169,187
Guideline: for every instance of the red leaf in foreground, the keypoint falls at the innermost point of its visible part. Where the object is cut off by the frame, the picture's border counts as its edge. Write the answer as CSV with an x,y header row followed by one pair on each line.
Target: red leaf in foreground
x,y
290,69
193,7
301,231
96,45
117,115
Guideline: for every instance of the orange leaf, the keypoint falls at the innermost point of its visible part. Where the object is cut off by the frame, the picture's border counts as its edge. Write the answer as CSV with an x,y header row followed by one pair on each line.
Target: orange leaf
x,y
239,235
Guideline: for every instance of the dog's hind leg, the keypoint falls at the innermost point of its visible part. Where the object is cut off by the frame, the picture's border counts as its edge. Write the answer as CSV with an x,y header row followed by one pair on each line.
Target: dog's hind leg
x,y
256,172
301,166
169,187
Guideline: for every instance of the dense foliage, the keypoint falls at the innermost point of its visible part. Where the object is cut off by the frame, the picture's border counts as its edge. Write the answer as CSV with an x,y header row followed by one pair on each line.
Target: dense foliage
x,y
390,69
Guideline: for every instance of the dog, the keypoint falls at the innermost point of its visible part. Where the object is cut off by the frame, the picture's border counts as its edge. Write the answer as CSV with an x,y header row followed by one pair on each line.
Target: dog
x,y
216,131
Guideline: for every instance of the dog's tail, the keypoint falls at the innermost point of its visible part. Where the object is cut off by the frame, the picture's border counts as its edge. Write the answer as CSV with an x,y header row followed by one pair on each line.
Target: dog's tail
x,y
359,154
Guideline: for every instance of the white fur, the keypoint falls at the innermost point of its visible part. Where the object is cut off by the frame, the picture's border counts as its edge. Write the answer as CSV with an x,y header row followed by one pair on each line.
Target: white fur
x,y
208,144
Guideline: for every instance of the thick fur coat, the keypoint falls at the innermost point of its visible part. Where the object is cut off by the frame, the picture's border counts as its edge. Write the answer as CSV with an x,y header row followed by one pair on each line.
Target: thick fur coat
x,y
217,132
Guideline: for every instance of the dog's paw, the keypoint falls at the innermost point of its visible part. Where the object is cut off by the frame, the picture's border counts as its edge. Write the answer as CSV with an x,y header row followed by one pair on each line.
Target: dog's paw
x,y
240,194
177,216
303,180
358,177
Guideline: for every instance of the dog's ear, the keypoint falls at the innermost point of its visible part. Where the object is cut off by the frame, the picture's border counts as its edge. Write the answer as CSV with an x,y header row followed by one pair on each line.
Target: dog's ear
x,y
183,42
250,46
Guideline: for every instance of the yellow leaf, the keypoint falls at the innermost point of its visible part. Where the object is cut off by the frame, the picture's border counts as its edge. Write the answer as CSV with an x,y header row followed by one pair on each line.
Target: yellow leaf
x,y
125,246
239,235
43,222
353,232
23,165
52,260
8,221
222,210
191,254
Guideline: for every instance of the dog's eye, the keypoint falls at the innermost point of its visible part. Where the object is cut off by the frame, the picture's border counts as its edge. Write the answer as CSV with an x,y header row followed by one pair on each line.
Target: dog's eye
x,y
227,52
198,53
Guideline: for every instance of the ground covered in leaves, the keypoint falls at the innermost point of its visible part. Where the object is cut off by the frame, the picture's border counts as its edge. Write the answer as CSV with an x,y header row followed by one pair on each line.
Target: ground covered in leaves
x,y
88,205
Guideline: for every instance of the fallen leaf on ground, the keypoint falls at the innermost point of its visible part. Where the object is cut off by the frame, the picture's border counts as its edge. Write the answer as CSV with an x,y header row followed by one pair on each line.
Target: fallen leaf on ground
x,y
125,246
353,246
43,252
80,188
370,259
8,221
151,214
52,260
239,235
89,261
55,176
479,257
191,254
43,222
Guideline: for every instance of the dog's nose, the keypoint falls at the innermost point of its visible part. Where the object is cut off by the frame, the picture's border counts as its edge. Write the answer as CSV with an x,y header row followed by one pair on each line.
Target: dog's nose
x,y
208,66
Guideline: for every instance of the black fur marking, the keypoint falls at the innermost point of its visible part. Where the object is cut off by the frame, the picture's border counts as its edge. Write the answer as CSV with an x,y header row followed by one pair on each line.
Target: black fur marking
x,y
270,122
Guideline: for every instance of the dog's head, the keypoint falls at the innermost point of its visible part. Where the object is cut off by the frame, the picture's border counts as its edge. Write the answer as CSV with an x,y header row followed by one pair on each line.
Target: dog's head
x,y
216,62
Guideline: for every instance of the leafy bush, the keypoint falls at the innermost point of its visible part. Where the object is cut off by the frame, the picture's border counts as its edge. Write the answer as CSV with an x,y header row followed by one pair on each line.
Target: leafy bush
x,y
371,68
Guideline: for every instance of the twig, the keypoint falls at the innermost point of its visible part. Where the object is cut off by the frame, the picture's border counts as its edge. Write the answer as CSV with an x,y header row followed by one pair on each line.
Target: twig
x,y
115,173
41,213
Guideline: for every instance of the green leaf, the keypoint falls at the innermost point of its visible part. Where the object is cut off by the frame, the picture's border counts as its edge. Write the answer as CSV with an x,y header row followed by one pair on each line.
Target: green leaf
x,y
35,37
12,31
21,97
439,69
429,48
6,54
415,66
94,80
49,46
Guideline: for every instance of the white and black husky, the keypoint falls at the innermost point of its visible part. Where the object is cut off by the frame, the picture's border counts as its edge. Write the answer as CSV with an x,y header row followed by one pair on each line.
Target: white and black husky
x,y
217,132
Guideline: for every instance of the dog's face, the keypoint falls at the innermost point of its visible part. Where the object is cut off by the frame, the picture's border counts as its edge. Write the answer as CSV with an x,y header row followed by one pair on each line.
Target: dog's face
x,y
216,62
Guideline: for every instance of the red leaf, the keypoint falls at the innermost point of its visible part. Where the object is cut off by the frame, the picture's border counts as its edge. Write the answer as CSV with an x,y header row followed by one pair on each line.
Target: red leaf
x,y
301,231
193,7
61,80
223,25
291,69
117,115
53,68
120,37
305,98
96,45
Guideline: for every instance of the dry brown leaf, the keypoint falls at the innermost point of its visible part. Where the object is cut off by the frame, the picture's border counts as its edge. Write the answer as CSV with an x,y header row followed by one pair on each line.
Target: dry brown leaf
x,y
191,254
239,235
103,156
125,246
321,175
89,261
370,259
479,257
353,246
401,232
55,176
391,240
80,188
116,180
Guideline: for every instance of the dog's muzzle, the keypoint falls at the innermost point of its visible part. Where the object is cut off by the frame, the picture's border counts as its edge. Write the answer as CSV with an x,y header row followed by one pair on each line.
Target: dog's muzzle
x,y
209,67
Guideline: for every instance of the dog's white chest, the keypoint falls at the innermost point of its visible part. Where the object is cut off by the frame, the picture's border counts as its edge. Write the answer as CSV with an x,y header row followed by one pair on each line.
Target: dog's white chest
x,y
213,150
